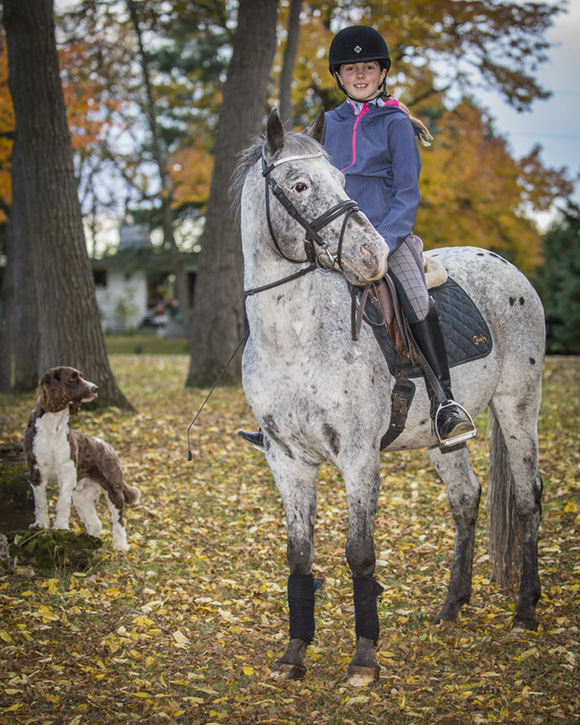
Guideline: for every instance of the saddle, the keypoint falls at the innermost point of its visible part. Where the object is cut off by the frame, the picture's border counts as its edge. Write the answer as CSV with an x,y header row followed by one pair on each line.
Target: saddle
x,y
466,333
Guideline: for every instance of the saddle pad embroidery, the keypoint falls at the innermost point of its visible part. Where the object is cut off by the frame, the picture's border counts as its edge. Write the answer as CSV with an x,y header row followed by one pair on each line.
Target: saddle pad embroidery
x,y
467,336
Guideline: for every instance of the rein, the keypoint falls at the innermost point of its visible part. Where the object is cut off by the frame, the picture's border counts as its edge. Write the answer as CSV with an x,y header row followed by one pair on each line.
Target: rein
x,y
312,237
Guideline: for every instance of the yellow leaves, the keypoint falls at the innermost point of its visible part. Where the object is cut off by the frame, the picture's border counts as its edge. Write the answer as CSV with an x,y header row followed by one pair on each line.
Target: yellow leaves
x,y
45,613
224,599
533,651
51,585
180,639
357,700
12,708
143,621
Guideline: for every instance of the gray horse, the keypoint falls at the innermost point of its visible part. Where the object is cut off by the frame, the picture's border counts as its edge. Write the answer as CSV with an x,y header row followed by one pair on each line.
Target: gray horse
x,y
320,396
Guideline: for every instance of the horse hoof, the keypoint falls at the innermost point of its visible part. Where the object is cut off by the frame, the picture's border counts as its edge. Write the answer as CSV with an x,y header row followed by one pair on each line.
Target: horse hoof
x,y
524,625
285,671
363,676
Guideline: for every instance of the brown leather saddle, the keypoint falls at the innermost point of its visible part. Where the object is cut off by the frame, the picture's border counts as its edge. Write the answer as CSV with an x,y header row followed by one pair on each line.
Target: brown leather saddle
x,y
466,333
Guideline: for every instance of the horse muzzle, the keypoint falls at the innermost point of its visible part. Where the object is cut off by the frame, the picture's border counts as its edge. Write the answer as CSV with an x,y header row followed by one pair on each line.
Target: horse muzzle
x,y
365,263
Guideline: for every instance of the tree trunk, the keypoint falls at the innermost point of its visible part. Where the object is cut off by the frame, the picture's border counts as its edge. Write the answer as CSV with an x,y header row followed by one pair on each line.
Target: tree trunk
x,y
6,320
159,155
69,325
218,316
26,339
288,63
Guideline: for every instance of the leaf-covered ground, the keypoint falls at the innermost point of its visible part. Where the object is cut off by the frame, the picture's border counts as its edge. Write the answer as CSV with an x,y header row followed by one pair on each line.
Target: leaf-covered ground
x,y
186,626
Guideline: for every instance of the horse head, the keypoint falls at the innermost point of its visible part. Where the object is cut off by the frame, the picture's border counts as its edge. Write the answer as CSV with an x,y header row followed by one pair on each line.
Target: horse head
x,y
310,217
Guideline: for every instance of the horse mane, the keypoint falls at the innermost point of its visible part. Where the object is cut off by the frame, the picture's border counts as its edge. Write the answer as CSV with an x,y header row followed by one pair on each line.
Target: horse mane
x,y
294,143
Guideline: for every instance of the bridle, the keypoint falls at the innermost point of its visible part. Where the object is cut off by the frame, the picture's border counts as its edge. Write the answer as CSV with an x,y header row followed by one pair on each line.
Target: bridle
x,y
314,254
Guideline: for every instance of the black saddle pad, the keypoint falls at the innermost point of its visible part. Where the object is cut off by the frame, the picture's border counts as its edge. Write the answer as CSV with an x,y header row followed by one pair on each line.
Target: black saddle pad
x,y
467,335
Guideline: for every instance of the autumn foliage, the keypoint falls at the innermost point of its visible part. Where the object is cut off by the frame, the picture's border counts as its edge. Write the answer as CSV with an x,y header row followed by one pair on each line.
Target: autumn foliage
x,y
6,132
475,193
473,190
186,626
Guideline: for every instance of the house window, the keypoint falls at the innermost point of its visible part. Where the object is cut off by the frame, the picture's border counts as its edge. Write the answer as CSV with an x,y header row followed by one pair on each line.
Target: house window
x,y
100,277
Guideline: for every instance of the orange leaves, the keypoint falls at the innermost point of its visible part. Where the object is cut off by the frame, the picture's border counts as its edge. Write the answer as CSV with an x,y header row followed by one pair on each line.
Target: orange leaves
x,y
475,193
6,128
191,171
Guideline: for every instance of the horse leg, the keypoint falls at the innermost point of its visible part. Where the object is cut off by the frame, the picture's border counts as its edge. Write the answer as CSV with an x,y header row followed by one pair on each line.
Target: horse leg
x,y
463,491
296,483
514,513
360,554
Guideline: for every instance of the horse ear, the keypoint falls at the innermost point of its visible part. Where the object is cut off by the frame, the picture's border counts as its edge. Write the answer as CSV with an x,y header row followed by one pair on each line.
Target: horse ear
x,y
274,133
316,128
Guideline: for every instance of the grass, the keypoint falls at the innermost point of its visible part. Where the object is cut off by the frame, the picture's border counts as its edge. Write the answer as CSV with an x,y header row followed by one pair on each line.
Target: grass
x,y
186,626
145,345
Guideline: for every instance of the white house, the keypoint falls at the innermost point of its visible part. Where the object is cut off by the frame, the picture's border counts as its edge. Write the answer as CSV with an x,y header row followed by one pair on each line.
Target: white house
x,y
133,285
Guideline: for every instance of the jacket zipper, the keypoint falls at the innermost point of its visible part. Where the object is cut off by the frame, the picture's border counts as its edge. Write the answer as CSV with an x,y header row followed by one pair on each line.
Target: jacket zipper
x,y
361,113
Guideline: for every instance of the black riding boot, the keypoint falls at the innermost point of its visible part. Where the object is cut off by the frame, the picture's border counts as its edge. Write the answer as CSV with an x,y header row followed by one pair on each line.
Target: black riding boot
x,y
256,438
452,426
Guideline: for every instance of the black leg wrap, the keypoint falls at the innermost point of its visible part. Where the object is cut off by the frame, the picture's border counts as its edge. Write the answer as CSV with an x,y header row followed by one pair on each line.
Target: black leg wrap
x,y
366,589
301,588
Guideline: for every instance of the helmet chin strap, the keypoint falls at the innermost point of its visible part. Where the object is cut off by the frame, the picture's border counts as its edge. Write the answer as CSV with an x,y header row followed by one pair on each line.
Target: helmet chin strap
x,y
382,91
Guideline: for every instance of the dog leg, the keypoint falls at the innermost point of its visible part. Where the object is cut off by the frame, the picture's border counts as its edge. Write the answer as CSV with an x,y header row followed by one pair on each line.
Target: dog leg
x,y
85,497
119,532
67,484
40,507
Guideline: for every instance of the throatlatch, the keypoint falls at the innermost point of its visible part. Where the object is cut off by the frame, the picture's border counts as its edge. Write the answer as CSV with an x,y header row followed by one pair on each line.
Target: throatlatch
x,y
366,590
301,588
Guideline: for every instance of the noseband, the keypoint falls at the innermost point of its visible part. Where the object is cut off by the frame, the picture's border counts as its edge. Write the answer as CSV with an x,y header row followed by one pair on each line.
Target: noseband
x,y
314,254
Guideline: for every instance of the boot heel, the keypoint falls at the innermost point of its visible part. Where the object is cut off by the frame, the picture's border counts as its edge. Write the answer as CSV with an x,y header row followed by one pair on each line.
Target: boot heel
x,y
463,431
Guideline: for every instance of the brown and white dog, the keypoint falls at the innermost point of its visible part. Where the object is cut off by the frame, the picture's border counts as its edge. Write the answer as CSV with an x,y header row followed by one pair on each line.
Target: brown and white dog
x,y
80,464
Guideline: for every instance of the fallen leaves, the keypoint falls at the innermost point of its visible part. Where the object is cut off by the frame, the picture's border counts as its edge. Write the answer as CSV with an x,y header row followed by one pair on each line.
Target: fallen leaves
x,y
186,627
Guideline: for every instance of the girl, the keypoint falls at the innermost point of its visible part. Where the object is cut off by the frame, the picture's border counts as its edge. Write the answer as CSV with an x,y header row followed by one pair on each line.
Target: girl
x,y
371,138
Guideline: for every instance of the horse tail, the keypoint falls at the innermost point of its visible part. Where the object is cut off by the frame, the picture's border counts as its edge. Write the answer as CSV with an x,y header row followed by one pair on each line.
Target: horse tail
x,y
504,528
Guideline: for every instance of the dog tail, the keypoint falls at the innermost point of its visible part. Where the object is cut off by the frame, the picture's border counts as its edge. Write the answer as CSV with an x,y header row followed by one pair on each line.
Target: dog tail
x,y
131,495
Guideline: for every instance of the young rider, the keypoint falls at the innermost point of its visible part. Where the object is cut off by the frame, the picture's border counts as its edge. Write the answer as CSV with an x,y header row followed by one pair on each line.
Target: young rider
x,y
371,138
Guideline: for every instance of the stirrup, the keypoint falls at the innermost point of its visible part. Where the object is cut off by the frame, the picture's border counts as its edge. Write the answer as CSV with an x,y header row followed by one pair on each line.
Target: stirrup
x,y
456,439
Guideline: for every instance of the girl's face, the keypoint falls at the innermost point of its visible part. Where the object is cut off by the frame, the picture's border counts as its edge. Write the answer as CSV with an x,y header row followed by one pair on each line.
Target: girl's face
x,y
361,81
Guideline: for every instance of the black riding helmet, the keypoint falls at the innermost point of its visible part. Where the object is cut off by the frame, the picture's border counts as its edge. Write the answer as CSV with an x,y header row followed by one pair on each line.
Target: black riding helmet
x,y
356,44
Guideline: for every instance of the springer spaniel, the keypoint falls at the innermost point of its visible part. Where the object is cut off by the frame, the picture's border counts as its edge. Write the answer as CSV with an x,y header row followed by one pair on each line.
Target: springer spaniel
x,y
81,464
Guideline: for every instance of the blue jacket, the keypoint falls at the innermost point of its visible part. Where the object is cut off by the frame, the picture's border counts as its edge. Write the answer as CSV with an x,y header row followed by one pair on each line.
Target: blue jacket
x,y
377,151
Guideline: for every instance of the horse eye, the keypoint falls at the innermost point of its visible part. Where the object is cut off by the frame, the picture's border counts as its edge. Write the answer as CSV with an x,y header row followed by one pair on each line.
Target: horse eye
x,y
300,187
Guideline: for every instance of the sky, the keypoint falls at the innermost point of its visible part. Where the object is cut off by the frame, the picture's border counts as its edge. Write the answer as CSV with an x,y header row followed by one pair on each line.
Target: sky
x,y
555,123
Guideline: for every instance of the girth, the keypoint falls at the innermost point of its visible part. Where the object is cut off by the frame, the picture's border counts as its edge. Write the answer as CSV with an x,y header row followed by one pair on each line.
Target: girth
x,y
382,294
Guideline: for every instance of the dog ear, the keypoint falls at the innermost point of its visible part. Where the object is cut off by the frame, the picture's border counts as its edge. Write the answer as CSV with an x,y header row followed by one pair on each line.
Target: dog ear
x,y
52,395
42,394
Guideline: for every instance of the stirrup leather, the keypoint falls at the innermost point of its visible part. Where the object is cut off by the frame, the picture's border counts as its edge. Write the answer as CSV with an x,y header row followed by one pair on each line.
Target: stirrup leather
x,y
461,437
